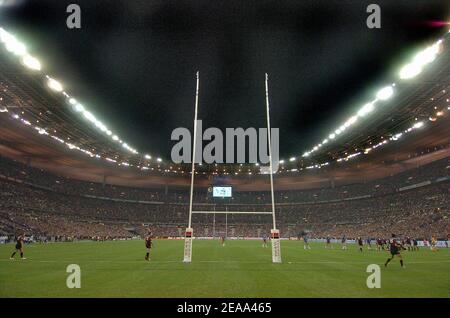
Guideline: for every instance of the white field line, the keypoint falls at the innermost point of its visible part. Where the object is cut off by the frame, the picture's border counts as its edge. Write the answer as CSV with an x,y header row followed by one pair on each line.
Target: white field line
x,y
212,261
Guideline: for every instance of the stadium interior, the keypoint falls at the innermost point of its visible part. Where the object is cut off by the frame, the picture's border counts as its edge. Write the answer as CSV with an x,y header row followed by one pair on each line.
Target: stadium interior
x,y
63,178
331,148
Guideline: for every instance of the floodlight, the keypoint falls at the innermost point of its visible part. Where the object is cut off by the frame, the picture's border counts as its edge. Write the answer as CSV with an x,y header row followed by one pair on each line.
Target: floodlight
x,y
54,85
367,108
31,62
385,93
418,125
410,70
427,56
15,47
78,107
89,116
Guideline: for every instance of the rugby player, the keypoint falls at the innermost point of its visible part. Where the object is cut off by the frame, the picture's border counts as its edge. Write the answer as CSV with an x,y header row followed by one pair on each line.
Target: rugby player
x,y
394,248
148,245
19,246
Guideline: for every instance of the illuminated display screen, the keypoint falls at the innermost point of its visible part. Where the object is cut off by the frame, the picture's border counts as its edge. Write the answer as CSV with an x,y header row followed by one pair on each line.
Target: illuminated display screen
x,y
222,192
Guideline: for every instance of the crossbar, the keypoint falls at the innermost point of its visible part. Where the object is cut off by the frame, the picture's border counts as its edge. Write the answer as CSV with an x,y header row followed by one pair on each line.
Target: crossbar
x,y
228,212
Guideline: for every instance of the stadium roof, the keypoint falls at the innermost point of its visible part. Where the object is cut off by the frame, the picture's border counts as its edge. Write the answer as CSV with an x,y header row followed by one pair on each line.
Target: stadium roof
x,y
415,101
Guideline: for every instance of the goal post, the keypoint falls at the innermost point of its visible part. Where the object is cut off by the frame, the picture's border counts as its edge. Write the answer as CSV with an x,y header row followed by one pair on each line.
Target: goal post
x,y
276,248
275,233
189,233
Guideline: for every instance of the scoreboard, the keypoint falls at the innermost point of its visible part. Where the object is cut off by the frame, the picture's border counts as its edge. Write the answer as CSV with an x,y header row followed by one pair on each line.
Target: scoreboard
x,y
222,192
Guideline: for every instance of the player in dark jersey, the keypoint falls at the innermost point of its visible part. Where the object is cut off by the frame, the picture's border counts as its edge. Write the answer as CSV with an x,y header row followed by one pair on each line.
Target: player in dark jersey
x,y
360,244
328,242
379,244
148,244
416,245
369,243
19,246
394,248
408,243
223,240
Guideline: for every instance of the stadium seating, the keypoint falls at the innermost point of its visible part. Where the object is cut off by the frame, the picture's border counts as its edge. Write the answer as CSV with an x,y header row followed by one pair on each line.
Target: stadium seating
x,y
43,204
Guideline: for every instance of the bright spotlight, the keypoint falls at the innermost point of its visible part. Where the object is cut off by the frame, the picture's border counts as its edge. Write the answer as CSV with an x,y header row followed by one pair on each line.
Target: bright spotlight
x,y
427,56
100,126
410,70
159,159
54,85
148,157
352,120
292,159
418,125
115,138
367,108
78,107
31,62
89,116
332,136
12,45
5,36
385,93
3,110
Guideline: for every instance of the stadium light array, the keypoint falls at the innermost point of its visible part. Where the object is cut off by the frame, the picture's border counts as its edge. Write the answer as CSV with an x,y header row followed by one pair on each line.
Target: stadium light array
x,y
410,70
423,58
16,47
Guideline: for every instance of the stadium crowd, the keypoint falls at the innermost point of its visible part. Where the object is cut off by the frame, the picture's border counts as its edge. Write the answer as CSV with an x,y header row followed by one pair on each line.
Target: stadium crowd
x,y
44,205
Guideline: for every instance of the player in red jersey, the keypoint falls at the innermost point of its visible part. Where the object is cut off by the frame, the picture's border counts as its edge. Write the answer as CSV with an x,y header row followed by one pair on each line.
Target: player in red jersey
x,y
360,244
394,247
19,246
148,244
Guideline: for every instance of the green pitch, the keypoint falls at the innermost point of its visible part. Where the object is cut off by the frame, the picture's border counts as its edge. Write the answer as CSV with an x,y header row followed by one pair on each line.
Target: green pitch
x,y
240,269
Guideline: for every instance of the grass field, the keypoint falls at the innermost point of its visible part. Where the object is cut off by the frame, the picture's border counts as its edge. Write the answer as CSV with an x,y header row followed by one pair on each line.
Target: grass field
x,y
240,269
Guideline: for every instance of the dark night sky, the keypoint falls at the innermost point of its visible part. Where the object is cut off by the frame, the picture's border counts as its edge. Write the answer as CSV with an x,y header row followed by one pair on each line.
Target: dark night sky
x,y
133,63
